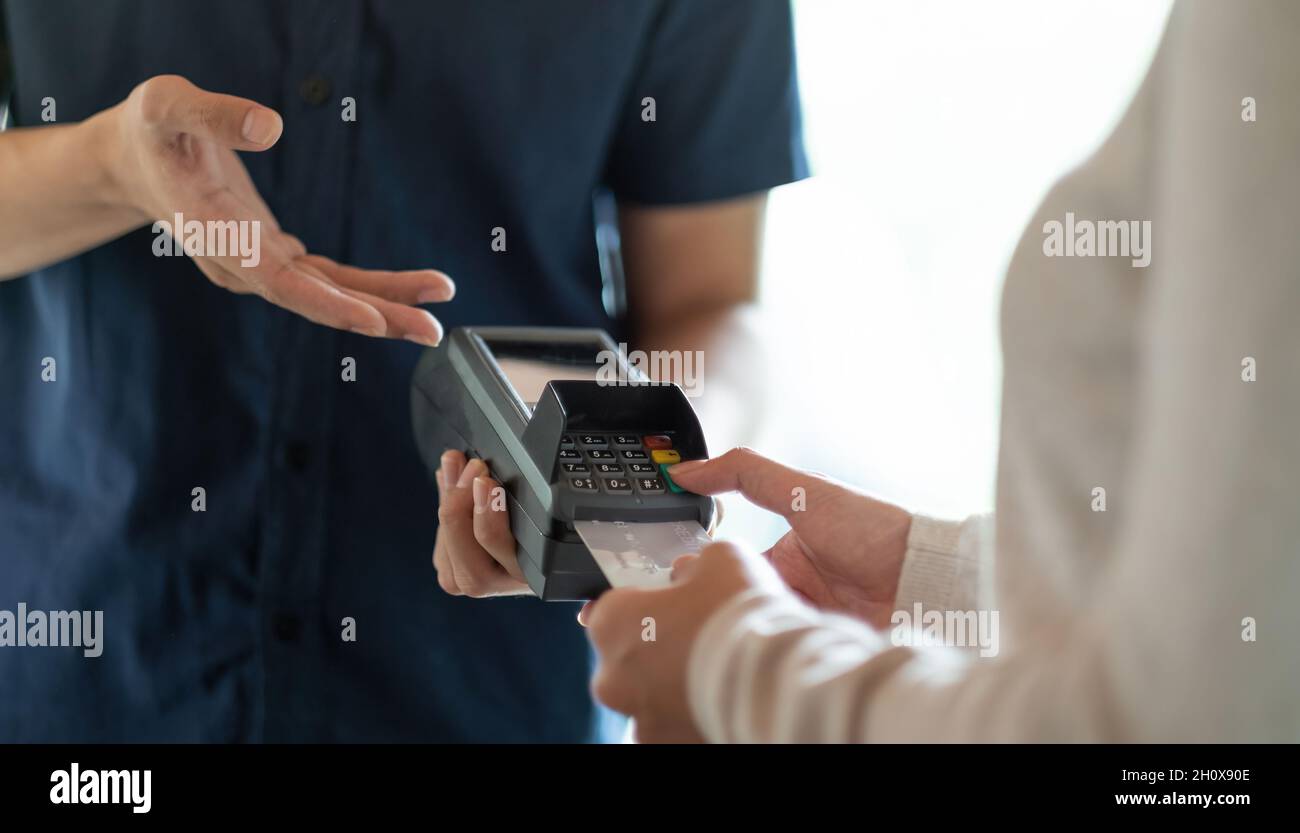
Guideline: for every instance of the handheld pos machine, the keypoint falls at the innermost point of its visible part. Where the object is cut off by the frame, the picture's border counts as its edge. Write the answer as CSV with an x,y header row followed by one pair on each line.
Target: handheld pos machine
x,y
581,441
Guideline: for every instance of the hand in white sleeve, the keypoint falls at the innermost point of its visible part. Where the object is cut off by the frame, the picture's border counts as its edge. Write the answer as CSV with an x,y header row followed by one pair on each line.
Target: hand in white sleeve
x,y
844,551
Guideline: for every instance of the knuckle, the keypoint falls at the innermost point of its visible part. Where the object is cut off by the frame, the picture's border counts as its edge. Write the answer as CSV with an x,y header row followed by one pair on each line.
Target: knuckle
x,y
453,511
492,533
448,583
472,578
149,104
737,456
606,689
469,586
605,611
481,589
602,688
153,97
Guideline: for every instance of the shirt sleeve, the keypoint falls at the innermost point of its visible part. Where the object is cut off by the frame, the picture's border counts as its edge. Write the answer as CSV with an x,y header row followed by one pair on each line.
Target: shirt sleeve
x,y
1189,635
726,120
944,566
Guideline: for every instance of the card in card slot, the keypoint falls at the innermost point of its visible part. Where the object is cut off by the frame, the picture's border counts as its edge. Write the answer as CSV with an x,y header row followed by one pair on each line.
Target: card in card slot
x,y
640,554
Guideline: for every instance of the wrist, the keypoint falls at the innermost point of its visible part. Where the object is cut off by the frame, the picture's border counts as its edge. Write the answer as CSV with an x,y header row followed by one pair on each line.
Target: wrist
x,y
102,137
899,542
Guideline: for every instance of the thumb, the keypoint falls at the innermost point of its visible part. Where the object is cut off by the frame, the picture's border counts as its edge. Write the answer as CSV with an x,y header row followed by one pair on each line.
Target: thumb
x,y
683,566
172,103
762,481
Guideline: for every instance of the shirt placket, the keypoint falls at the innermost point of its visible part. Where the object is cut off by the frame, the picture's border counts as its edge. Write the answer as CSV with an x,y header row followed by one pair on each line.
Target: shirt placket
x,y
323,38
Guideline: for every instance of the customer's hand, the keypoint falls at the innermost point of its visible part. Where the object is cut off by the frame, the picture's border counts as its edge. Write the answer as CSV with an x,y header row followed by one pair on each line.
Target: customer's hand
x,y
646,677
475,551
844,551
171,149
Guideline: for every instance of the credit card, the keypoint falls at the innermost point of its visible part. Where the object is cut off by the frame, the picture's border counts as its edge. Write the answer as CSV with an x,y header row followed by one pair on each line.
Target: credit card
x,y
640,554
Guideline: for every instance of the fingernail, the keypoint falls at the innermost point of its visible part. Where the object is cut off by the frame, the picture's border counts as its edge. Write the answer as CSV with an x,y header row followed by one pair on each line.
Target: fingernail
x,y
434,295
480,495
261,126
430,336
686,467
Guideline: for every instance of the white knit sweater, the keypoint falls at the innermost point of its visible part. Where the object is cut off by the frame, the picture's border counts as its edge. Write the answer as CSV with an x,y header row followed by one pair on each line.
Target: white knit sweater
x,y
1175,613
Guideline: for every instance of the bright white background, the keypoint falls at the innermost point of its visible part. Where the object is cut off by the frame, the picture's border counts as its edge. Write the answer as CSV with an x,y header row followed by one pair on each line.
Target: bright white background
x,y
934,127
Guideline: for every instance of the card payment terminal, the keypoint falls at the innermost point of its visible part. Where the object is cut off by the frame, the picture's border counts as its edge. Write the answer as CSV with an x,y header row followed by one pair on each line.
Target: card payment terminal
x,y
569,428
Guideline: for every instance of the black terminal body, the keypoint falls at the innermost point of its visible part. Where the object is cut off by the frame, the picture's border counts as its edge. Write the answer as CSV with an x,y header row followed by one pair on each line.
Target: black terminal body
x,y
570,430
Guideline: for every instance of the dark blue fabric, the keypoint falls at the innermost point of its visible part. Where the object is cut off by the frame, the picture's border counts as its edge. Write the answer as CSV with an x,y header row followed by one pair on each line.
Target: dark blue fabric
x,y
225,625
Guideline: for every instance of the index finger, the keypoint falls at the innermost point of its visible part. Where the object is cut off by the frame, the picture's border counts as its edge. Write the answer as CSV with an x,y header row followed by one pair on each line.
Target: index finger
x,y
763,482
412,286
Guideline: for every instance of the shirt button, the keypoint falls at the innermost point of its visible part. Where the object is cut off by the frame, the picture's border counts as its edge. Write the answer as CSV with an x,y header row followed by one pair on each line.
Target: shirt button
x,y
286,626
314,89
296,456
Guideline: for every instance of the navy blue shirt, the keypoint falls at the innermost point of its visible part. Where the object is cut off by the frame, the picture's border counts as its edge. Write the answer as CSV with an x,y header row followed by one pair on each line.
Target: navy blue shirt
x,y
226,624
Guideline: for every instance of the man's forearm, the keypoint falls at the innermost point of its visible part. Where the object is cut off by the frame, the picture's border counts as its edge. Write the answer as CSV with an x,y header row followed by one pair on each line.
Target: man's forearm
x,y
692,275
57,193
717,357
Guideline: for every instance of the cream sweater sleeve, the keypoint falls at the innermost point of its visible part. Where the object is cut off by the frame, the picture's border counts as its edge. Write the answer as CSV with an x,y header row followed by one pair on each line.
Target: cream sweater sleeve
x,y
1186,626
945,567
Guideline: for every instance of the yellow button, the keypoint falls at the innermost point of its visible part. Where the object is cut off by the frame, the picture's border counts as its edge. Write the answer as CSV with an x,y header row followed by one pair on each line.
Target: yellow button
x,y
669,456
